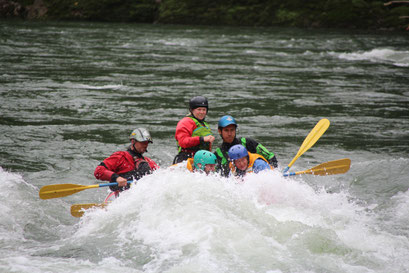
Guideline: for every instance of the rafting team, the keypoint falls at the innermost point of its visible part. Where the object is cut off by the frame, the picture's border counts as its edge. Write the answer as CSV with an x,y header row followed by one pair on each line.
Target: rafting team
x,y
236,156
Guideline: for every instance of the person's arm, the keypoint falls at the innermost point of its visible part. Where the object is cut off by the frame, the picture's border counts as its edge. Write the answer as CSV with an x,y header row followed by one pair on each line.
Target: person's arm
x,y
255,147
260,165
107,169
184,131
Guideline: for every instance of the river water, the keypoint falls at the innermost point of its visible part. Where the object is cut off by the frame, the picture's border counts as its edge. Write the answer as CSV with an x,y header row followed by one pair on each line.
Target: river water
x,y
71,93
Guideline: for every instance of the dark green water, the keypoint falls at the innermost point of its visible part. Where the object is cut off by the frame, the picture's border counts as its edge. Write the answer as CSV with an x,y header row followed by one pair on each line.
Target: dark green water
x,y
72,92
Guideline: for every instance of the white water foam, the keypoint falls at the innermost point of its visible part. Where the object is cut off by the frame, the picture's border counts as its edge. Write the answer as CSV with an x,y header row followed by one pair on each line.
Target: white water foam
x,y
176,221
378,55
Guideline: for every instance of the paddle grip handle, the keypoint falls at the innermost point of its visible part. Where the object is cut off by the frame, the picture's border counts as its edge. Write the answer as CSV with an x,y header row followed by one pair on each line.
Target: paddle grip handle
x,y
289,174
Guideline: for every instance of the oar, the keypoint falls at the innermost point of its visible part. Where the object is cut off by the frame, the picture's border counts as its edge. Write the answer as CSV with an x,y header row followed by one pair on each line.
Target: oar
x,y
328,168
62,190
78,210
310,140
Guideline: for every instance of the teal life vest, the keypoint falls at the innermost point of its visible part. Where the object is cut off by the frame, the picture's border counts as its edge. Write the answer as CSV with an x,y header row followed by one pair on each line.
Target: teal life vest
x,y
202,130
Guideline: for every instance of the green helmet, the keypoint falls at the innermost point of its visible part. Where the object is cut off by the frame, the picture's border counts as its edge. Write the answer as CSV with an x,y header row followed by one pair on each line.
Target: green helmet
x,y
203,157
141,135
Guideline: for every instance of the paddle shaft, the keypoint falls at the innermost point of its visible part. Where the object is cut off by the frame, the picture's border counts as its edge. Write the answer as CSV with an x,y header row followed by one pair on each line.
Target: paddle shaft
x,y
62,190
318,130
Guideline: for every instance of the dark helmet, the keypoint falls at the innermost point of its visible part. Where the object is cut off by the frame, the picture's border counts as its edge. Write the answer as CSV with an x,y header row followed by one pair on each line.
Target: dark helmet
x,y
237,151
198,101
225,121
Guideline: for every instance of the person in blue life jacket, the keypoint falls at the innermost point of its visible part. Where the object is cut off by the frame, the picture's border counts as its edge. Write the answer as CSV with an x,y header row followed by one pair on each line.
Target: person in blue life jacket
x,y
192,132
227,127
242,162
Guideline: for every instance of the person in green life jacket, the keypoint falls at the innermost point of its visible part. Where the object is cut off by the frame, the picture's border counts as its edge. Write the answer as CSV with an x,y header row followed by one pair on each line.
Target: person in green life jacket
x,y
227,127
192,132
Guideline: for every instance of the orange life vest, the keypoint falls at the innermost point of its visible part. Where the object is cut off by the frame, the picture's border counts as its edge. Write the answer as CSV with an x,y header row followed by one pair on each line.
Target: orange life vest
x,y
252,159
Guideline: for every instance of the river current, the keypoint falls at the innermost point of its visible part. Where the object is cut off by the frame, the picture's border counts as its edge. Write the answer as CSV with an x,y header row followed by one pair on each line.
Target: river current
x,y
71,93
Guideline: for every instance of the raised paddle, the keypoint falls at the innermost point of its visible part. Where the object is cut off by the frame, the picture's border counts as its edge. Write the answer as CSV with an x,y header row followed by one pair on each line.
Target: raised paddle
x,y
78,210
328,168
310,140
62,190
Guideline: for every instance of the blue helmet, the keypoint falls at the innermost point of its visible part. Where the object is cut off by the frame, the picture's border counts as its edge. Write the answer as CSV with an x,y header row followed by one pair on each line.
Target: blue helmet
x,y
225,121
237,151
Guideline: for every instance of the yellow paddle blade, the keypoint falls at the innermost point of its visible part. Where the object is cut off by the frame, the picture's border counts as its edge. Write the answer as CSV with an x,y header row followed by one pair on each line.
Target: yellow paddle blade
x,y
61,190
312,137
331,167
78,210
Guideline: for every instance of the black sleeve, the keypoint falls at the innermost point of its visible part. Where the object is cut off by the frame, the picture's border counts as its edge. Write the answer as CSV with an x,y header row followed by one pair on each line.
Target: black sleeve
x,y
251,145
273,161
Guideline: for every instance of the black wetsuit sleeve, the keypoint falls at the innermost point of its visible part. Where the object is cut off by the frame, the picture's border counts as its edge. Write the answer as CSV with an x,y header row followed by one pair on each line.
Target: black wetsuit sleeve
x,y
254,147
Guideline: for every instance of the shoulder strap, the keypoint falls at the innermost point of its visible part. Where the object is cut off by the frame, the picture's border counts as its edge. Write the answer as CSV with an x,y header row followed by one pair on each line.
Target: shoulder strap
x,y
243,141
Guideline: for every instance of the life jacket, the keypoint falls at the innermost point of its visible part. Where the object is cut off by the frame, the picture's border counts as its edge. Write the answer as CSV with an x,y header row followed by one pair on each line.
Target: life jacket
x,y
252,159
143,166
202,130
190,164
224,155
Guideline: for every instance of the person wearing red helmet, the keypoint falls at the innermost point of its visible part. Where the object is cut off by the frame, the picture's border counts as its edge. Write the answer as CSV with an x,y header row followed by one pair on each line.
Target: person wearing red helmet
x,y
192,132
127,165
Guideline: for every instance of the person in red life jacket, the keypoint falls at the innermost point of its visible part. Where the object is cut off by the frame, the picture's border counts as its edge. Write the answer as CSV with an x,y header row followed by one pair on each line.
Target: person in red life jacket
x,y
227,127
192,132
243,162
127,165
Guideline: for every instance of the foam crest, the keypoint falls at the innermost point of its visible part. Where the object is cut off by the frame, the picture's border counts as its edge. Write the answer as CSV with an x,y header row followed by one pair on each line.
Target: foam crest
x,y
381,55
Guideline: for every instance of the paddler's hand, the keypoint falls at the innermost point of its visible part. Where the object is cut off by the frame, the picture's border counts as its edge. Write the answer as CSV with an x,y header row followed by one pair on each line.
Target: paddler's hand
x,y
209,139
122,182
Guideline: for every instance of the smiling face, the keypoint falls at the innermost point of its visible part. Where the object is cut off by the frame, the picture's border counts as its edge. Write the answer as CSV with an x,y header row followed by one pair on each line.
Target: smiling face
x,y
241,163
200,112
228,133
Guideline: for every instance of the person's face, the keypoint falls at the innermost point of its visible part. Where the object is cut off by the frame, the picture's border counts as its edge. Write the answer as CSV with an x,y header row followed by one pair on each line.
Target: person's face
x,y
141,147
228,133
200,112
241,163
210,168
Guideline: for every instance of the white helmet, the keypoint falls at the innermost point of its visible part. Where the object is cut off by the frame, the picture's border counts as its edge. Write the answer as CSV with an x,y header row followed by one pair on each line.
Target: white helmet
x,y
141,135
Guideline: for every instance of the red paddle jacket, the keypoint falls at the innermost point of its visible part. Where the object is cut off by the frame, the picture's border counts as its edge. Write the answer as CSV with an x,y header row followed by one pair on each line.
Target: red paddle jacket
x,y
184,131
120,164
